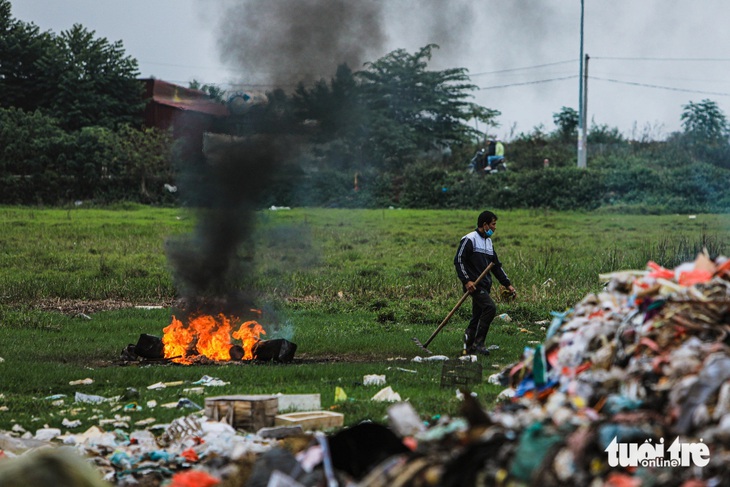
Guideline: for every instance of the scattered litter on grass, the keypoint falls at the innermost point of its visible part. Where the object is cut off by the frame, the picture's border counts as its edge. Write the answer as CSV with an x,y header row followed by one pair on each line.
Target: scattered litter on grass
x,y
71,423
81,382
644,362
460,395
373,380
208,381
163,385
410,371
340,395
430,358
387,394
404,420
92,398
184,402
46,434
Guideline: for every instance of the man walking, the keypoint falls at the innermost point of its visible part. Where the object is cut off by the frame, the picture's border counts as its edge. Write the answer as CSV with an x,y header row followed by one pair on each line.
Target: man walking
x,y
474,254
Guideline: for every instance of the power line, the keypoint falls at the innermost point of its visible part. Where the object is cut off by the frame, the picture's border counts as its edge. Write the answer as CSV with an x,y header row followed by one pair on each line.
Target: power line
x,y
670,88
523,68
672,59
528,82
221,68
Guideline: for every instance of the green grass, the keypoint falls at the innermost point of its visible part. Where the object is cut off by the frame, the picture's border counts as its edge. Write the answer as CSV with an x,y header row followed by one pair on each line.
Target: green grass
x,y
350,287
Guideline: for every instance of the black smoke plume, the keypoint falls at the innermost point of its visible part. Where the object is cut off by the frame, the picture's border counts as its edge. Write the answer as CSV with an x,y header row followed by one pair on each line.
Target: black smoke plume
x,y
282,42
211,266
277,44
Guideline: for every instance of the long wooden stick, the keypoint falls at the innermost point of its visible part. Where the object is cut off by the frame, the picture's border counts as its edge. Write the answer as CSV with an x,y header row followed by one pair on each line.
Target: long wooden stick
x,y
458,305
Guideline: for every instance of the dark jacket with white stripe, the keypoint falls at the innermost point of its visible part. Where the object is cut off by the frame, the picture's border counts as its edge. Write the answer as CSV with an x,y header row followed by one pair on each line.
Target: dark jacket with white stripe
x,y
474,254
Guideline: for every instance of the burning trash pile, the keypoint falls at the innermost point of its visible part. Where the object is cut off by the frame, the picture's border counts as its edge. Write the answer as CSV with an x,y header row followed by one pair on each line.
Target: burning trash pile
x,y
631,387
206,339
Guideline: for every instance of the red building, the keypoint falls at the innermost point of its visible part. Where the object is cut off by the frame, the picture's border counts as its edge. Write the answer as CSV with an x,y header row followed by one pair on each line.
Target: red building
x,y
187,112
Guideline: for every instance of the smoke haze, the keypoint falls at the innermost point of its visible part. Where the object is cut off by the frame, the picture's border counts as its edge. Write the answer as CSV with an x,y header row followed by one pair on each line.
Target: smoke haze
x,y
285,42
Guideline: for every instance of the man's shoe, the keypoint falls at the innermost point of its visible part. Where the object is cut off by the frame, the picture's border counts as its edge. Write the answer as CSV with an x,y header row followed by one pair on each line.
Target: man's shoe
x,y
481,350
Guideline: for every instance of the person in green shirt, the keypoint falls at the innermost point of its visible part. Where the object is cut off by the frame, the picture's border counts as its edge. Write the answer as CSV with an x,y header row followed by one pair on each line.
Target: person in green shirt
x,y
493,160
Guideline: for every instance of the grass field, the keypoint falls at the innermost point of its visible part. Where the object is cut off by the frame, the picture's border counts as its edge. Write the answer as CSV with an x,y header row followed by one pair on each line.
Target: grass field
x,y
350,287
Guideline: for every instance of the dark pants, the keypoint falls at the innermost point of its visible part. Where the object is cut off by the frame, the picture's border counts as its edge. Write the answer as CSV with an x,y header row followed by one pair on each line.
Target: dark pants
x,y
483,311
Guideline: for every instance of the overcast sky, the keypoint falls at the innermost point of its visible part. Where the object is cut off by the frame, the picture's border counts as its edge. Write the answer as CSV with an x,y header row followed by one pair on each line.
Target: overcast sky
x,y
648,57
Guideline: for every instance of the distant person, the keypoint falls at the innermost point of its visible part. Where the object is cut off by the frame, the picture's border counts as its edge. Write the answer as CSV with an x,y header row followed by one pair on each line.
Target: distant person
x,y
497,156
546,163
474,254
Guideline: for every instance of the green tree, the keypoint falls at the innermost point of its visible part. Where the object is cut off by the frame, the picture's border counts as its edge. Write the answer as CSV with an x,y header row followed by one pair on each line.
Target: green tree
x,y
705,134
705,123
98,84
603,134
23,48
412,109
143,157
567,122
334,105
74,77
26,139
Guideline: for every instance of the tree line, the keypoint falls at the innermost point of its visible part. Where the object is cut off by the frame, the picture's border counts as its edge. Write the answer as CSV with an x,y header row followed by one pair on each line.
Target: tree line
x,y
393,133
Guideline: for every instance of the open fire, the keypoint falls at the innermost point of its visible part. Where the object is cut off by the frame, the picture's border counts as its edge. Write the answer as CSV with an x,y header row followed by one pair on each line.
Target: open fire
x,y
206,339
212,337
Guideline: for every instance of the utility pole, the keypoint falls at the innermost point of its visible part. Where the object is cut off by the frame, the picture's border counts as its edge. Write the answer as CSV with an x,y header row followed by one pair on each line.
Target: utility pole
x,y
585,111
581,115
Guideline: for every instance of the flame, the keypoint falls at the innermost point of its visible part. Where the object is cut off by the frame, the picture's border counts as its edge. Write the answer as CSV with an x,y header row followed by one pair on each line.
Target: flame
x,y
210,336
249,334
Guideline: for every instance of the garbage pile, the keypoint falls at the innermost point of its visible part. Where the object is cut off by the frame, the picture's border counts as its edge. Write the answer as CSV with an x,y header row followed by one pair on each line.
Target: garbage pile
x,y
631,388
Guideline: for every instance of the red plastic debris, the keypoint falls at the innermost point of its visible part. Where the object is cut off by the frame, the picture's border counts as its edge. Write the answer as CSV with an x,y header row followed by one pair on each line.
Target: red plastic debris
x,y
190,455
622,480
193,478
697,276
658,271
